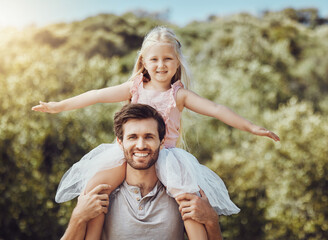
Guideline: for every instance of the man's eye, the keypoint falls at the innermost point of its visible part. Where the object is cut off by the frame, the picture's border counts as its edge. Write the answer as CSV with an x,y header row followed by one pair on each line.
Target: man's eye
x,y
149,137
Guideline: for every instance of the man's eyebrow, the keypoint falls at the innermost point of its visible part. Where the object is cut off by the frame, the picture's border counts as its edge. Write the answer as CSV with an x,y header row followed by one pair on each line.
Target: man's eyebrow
x,y
150,134
131,134
145,134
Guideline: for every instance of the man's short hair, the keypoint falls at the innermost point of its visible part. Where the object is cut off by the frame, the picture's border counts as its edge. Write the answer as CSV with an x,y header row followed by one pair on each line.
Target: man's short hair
x,y
137,111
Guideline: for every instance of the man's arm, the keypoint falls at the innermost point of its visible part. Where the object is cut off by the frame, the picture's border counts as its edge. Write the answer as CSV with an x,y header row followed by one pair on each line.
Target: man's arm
x,y
200,210
88,206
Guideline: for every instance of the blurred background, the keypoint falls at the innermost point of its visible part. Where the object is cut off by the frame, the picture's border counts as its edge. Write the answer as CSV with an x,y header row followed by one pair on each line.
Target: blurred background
x,y
266,60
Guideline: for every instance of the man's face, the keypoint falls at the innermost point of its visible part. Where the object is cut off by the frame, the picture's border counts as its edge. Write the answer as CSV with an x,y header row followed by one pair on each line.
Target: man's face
x,y
140,143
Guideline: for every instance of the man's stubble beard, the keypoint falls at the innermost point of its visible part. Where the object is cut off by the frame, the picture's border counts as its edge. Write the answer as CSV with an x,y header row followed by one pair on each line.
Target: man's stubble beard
x,y
131,162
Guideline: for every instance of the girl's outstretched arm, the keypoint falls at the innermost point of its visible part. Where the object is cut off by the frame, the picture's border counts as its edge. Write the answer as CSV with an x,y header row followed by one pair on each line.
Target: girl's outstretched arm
x,y
192,101
113,94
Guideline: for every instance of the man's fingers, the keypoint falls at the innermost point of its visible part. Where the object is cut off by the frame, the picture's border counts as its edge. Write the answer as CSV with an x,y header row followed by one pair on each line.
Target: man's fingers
x,y
185,197
186,216
100,188
202,194
105,210
106,191
184,204
103,197
104,203
186,210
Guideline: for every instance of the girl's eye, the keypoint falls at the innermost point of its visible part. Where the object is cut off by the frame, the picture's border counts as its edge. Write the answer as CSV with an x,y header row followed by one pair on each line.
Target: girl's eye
x,y
153,59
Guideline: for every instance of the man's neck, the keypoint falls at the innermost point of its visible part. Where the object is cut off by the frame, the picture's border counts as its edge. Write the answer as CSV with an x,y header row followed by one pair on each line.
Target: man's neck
x,y
144,179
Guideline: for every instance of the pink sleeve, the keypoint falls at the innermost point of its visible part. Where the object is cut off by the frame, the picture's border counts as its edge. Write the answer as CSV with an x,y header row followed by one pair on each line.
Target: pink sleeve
x,y
176,86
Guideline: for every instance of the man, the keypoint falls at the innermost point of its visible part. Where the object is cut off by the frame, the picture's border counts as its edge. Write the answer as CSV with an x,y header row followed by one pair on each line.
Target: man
x,y
140,207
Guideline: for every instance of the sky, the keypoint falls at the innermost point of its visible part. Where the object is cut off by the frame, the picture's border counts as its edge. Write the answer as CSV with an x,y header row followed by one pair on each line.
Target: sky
x,y
20,13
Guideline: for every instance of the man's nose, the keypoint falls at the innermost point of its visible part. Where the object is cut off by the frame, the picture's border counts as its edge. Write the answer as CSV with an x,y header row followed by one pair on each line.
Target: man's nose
x,y
141,143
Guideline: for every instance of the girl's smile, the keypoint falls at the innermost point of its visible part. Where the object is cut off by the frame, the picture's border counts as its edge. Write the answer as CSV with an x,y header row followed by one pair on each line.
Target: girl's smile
x,y
161,62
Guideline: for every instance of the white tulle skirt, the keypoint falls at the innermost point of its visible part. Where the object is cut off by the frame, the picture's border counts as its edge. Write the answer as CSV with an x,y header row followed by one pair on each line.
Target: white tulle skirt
x,y
74,181
177,169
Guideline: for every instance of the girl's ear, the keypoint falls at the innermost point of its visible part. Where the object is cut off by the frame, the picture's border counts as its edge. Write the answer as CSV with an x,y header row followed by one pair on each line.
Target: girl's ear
x,y
144,64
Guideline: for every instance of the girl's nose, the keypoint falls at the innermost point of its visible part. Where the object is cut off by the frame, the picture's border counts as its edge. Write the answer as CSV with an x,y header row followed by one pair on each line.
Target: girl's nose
x,y
160,63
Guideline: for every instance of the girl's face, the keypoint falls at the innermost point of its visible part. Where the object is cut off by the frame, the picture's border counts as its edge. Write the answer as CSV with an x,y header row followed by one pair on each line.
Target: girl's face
x,y
161,62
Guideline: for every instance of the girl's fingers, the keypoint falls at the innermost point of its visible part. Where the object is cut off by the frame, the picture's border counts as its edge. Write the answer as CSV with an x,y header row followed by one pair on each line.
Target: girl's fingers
x,y
274,136
43,104
38,108
265,132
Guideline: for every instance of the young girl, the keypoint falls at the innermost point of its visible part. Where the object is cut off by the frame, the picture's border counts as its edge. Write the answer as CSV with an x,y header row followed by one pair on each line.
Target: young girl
x,y
156,80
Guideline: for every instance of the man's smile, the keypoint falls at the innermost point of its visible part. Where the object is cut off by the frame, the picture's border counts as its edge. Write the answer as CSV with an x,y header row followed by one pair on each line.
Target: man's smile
x,y
138,154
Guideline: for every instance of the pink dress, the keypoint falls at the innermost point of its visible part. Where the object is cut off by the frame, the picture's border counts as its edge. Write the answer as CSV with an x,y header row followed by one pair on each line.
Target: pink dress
x,y
177,169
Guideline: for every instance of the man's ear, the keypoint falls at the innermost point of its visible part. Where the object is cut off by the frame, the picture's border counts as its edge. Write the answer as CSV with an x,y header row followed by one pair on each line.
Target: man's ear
x,y
119,143
162,144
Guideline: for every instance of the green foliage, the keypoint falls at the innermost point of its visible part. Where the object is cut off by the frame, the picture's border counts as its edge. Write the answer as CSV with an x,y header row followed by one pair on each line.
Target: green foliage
x,y
291,180
256,66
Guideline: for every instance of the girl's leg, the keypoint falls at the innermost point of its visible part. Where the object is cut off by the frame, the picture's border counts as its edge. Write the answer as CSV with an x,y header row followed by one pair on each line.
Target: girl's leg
x,y
113,177
195,230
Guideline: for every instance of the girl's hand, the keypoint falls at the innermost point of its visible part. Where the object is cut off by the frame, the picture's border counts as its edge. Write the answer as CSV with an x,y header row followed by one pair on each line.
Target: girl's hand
x,y
50,107
261,131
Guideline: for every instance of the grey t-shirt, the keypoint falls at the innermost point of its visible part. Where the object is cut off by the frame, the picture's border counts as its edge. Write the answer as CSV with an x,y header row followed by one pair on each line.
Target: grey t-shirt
x,y
154,216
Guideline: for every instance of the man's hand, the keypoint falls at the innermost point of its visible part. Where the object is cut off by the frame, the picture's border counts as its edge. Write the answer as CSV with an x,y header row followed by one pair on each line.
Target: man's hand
x,y
88,206
196,208
199,209
92,204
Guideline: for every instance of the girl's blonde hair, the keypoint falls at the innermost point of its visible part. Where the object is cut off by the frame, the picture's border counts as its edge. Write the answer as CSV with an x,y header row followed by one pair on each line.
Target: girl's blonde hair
x,y
163,35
